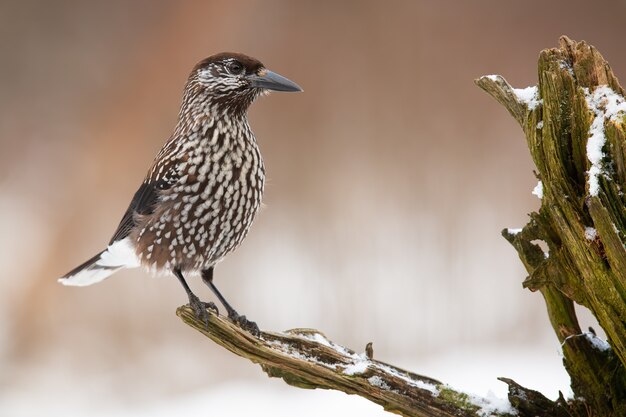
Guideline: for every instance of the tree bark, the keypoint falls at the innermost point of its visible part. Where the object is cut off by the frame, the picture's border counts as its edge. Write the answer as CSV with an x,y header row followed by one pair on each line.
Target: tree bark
x,y
575,126
576,135
305,358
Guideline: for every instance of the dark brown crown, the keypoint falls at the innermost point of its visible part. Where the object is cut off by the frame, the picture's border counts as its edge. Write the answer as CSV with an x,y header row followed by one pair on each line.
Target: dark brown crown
x,y
252,65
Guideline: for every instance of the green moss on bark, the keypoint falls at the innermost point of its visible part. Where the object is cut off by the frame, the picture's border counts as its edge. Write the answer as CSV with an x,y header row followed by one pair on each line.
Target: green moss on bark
x,y
591,272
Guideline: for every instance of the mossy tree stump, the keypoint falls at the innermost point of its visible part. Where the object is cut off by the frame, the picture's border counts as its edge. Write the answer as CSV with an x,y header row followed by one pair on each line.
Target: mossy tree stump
x,y
574,126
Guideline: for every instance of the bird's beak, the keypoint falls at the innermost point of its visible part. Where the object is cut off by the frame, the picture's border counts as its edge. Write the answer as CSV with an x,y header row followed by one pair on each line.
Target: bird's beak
x,y
272,81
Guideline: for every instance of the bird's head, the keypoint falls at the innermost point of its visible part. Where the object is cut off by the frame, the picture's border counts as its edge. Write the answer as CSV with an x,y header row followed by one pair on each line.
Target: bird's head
x,y
232,81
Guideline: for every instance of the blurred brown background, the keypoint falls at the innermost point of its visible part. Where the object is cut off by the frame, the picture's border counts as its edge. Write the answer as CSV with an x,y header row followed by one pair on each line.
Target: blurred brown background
x,y
390,179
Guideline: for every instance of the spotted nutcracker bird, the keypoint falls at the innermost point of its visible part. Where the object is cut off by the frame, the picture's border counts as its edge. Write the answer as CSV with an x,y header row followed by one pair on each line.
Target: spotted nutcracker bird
x,y
204,189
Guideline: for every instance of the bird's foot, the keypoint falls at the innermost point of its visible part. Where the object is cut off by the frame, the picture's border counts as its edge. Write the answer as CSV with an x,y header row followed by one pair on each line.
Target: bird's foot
x,y
241,321
200,309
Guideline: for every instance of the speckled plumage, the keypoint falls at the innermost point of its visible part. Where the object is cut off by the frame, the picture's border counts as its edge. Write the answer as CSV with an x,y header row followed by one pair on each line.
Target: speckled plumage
x,y
205,186
209,209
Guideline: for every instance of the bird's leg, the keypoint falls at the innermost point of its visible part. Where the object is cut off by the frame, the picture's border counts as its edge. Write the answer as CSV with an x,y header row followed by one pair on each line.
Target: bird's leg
x,y
199,307
242,321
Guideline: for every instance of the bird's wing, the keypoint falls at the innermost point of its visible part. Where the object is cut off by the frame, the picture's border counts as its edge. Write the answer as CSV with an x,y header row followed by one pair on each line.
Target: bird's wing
x,y
161,177
142,203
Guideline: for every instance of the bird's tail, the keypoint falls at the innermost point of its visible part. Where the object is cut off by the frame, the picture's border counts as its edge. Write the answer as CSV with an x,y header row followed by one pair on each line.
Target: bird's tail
x,y
118,255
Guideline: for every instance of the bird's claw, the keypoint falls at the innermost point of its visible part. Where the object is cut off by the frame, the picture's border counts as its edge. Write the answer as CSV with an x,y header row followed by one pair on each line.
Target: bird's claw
x,y
200,309
249,326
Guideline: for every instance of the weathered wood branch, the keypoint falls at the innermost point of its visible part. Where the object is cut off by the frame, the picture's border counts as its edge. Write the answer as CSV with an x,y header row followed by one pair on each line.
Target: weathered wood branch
x,y
305,358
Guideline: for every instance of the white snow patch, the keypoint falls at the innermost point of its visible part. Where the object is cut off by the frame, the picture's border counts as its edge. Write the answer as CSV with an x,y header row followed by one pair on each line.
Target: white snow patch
x,y
538,190
540,124
528,96
594,153
288,350
358,367
493,77
590,233
596,342
298,355
605,104
416,383
491,404
566,66
378,382
319,338
514,231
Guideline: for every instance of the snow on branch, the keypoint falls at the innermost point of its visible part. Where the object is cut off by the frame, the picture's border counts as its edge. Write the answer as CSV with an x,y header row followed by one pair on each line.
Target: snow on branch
x,y
305,358
516,100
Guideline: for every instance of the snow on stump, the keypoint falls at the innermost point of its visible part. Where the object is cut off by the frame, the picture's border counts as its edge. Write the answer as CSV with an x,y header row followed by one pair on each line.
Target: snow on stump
x,y
574,123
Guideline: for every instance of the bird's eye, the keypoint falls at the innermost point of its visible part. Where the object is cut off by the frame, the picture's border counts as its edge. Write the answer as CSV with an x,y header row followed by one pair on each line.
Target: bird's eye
x,y
235,68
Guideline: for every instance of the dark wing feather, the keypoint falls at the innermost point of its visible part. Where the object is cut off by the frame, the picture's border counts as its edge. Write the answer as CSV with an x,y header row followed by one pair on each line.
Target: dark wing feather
x,y
82,266
143,202
161,176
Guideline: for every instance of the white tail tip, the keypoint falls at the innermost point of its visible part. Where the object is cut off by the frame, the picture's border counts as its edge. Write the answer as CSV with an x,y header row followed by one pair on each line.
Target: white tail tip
x,y
118,255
